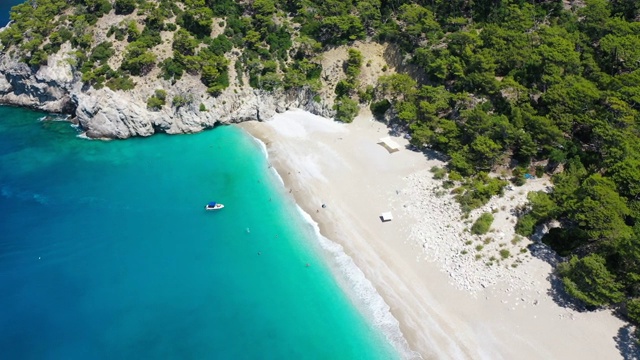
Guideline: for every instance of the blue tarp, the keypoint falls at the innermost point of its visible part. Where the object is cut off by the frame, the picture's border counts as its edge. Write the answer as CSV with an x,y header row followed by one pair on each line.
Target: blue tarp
x,y
529,176
213,203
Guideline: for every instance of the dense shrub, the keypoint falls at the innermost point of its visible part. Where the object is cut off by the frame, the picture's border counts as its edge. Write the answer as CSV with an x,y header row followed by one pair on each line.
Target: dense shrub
x,y
102,52
589,280
138,60
157,101
353,63
121,83
346,109
526,225
438,172
482,225
124,7
181,100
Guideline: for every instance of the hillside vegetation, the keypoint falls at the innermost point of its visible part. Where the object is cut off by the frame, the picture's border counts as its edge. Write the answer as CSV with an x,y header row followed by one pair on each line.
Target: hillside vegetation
x,y
512,83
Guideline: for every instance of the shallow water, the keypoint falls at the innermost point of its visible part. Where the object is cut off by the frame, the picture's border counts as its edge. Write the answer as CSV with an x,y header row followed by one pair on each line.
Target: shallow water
x,y
106,252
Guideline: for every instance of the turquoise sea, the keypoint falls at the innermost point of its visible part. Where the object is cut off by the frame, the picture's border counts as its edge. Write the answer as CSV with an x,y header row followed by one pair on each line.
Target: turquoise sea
x,y
106,252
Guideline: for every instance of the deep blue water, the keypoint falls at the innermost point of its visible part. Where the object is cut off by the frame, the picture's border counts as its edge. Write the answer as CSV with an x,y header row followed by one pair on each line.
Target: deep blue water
x,y
5,6
106,252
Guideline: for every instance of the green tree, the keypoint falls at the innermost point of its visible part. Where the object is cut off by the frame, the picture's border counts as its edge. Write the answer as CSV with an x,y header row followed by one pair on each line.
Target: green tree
x,y
589,280
184,43
600,210
622,53
340,29
102,52
137,60
396,86
124,7
626,175
198,19
633,310
346,109
486,151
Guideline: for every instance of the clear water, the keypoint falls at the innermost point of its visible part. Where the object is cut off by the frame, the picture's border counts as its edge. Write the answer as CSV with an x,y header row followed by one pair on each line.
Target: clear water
x,y
106,252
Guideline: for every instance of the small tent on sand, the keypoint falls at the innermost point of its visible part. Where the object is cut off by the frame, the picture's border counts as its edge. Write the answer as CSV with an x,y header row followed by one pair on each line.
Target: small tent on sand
x,y
386,216
389,144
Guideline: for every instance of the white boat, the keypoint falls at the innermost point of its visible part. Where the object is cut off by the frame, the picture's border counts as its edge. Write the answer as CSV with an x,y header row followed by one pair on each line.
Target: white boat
x,y
213,206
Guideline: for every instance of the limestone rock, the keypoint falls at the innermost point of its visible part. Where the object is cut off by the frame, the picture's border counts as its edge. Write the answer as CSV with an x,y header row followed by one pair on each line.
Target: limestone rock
x,y
104,113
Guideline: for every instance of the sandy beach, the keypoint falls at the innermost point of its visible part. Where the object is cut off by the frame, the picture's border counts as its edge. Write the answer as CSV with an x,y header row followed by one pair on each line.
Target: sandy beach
x,y
454,295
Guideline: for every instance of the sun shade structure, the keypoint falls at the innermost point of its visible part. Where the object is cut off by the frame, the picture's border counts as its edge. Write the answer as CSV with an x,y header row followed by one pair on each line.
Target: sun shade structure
x,y
386,216
389,144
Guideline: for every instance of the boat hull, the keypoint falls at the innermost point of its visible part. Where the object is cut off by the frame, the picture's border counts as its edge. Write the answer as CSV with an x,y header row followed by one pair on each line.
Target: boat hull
x,y
216,207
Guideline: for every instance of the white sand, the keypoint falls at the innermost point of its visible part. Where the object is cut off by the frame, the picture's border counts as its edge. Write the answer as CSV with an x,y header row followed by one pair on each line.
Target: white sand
x,y
448,304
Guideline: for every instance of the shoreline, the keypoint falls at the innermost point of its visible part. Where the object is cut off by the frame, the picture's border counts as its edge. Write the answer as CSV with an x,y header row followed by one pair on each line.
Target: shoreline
x,y
350,277
342,166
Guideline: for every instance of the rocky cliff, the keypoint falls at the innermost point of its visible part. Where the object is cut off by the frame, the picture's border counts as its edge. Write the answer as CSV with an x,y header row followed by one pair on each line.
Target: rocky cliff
x,y
103,113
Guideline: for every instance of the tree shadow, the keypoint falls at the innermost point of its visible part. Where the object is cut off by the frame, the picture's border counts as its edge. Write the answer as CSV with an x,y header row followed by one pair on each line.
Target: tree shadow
x,y
557,291
560,296
543,252
626,343
430,154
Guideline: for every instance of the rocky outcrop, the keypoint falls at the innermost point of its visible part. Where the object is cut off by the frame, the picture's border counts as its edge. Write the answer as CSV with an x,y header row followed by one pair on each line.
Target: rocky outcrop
x,y
103,113
114,114
48,88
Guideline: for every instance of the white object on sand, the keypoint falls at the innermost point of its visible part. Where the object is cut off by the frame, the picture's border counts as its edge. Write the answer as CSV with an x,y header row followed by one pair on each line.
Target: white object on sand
x,y
386,216
389,144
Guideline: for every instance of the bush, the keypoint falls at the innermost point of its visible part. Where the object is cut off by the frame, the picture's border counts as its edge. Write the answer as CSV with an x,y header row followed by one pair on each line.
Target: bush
x,y
102,52
519,180
479,190
121,83
344,88
124,7
526,225
483,224
171,69
438,172
138,60
505,254
157,101
366,95
202,107
455,176
181,100
161,94
155,104
353,63
346,109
